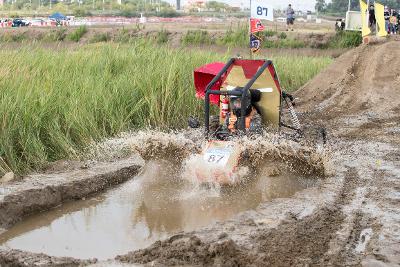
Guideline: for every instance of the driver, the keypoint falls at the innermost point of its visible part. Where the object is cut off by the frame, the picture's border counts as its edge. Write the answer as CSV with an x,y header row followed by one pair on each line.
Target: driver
x,y
250,111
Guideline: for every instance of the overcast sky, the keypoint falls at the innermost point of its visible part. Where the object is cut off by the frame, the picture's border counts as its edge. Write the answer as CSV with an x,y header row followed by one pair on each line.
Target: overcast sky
x,y
297,4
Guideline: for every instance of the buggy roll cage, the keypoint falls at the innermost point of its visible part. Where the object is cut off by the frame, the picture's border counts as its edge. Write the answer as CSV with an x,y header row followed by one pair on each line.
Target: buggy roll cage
x,y
244,95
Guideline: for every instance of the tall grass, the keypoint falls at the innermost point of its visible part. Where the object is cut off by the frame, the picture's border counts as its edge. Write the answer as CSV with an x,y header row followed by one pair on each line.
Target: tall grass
x,y
345,39
77,34
100,37
196,37
13,37
162,37
284,43
294,72
238,37
54,103
56,35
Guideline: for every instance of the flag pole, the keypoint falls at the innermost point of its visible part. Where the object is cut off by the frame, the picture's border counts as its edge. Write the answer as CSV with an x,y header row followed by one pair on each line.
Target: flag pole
x,y
376,22
249,20
368,13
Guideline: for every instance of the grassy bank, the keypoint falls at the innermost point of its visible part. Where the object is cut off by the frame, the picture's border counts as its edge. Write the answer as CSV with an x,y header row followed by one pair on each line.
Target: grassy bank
x,y
235,37
238,37
54,103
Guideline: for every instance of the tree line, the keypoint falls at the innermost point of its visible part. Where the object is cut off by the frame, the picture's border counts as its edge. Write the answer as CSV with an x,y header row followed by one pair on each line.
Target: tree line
x,y
341,6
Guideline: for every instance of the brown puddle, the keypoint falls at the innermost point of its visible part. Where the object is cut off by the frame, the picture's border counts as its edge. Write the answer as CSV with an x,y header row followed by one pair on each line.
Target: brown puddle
x,y
150,207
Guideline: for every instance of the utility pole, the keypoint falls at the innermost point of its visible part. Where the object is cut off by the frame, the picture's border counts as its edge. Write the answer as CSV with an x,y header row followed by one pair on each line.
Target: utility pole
x,y
249,21
368,13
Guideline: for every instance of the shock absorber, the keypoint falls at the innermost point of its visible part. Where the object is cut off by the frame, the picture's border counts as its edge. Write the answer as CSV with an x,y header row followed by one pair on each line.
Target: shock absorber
x,y
295,119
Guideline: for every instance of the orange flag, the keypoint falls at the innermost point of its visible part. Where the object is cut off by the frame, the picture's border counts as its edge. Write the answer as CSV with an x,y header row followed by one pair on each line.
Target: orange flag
x,y
256,25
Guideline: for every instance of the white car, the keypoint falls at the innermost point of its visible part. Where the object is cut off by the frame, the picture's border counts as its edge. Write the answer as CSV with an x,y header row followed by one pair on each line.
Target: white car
x,y
37,22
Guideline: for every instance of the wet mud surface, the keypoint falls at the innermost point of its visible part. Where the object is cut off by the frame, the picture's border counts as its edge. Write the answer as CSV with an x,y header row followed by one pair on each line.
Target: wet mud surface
x,y
152,206
351,218
40,192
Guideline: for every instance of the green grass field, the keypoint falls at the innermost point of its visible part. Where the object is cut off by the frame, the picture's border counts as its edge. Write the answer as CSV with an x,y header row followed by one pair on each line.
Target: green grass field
x,y
54,103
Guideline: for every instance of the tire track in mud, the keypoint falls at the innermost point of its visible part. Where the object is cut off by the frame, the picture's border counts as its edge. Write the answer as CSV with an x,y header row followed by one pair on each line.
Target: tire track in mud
x,y
382,203
347,256
295,242
307,241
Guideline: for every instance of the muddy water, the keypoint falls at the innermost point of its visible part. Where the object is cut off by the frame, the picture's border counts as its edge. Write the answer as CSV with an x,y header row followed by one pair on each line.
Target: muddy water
x,y
150,207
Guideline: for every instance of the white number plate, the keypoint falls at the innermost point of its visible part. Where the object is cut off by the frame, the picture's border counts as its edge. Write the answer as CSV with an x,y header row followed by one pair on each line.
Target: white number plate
x,y
217,156
260,9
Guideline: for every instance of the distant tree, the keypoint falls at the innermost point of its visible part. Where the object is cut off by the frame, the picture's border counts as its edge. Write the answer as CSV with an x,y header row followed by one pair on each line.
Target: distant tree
x,y
217,6
341,6
320,5
390,3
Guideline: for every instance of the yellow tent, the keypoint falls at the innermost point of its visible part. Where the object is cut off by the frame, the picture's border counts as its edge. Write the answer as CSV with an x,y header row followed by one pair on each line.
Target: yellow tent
x,y
380,19
364,12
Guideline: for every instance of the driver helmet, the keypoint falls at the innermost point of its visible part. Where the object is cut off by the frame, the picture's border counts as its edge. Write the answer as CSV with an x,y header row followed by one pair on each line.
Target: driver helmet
x,y
236,106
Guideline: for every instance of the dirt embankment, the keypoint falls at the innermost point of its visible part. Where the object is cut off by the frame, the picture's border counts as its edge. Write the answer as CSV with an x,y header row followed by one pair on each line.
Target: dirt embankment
x,y
358,91
44,191
172,35
365,79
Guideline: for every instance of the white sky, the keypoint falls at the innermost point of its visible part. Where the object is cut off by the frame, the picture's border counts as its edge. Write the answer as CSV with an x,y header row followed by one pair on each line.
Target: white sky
x,y
297,4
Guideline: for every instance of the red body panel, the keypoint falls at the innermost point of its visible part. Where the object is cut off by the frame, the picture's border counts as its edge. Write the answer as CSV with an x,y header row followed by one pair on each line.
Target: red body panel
x,y
205,74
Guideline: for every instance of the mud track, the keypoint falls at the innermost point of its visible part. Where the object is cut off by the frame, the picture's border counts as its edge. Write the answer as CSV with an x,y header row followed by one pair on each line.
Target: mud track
x,y
352,219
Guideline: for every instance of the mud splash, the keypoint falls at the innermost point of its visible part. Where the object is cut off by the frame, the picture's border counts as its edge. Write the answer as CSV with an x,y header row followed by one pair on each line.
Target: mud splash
x,y
151,207
149,144
271,153
257,151
183,149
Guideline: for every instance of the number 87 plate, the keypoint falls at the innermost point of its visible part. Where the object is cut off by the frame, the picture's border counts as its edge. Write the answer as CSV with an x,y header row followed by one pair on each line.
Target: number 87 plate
x,y
221,154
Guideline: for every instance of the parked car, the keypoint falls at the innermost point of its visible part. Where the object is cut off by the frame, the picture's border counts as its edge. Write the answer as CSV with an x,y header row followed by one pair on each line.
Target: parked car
x,y
20,23
37,22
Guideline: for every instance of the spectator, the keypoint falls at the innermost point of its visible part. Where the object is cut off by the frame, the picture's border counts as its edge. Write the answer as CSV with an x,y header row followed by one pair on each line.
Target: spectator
x,y
372,18
398,20
393,22
289,18
387,18
340,25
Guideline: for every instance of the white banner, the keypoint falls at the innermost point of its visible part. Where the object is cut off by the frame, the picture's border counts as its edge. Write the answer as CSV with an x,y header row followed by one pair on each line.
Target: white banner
x,y
261,10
